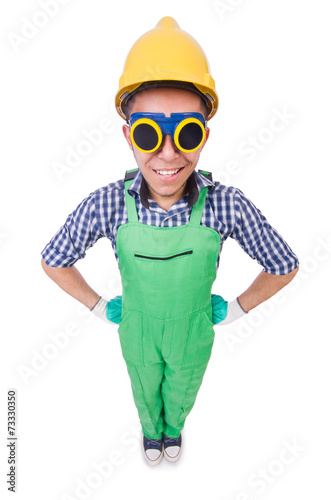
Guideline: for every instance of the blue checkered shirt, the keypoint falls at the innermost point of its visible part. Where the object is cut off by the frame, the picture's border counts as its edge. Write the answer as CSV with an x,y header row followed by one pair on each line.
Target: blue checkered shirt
x,y
226,210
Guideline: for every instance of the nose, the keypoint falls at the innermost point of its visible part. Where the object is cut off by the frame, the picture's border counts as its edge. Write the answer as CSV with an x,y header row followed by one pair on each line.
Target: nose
x,y
168,151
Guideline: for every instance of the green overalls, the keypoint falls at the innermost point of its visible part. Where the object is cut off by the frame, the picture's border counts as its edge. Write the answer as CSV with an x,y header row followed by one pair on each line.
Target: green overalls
x,y
166,332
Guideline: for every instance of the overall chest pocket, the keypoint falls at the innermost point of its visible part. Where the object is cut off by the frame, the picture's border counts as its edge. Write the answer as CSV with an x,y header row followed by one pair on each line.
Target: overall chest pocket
x,y
167,257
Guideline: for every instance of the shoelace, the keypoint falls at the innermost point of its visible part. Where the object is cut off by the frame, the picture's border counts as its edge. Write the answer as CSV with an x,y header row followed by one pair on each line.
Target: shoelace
x,y
171,441
155,443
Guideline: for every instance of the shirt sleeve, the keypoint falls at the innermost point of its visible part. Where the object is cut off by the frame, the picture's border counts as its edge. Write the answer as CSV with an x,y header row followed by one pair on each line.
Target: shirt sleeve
x,y
79,233
259,239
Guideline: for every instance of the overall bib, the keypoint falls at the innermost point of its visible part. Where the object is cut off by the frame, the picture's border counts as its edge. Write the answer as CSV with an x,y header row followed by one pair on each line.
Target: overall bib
x,y
166,332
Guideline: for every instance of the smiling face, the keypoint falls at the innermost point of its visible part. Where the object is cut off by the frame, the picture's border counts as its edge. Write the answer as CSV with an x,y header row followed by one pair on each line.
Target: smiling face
x,y
167,169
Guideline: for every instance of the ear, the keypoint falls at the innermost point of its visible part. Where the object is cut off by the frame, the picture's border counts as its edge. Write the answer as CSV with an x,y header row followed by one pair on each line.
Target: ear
x,y
206,138
126,132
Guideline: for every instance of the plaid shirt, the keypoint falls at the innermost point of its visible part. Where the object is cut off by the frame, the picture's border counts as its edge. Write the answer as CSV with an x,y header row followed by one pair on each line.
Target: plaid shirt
x,y
226,210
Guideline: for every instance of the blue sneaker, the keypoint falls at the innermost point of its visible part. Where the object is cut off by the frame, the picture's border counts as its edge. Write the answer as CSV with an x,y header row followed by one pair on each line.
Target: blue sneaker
x,y
153,450
172,448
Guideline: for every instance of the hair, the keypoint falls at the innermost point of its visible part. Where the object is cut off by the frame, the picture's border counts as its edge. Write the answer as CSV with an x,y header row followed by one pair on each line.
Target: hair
x,y
129,102
128,106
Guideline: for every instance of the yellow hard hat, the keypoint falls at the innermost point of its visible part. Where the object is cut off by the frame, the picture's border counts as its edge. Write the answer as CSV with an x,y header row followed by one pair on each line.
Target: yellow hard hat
x,y
167,54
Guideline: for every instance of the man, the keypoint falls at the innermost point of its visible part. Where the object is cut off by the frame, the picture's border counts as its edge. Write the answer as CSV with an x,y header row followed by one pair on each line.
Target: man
x,y
167,224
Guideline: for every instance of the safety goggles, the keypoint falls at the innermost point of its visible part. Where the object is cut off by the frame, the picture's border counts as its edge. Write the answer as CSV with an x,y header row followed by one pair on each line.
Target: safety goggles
x,y
186,129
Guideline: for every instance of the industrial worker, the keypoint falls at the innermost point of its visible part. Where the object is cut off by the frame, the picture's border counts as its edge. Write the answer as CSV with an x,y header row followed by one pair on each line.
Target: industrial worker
x,y
167,223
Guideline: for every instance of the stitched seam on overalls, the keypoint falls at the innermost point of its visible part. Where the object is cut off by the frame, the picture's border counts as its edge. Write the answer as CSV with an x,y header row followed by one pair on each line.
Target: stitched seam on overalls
x,y
183,405
188,341
141,327
205,309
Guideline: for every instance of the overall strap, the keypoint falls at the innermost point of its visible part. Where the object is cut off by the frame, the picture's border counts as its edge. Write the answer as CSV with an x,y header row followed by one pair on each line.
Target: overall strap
x,y
130,203
198,207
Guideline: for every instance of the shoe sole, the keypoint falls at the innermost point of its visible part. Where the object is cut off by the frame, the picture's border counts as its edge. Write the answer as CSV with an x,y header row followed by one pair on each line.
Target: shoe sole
x,y
152,462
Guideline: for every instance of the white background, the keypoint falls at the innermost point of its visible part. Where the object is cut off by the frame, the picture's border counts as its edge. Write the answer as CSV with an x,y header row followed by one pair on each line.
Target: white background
x,y
267,385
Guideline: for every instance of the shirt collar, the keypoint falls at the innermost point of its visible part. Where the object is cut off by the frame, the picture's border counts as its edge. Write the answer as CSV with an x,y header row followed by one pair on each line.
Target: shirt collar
x,y
195,183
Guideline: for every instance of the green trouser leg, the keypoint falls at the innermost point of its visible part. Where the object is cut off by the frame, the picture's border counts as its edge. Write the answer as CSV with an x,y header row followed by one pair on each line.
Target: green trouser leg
x,y
141,342
185,383
146,389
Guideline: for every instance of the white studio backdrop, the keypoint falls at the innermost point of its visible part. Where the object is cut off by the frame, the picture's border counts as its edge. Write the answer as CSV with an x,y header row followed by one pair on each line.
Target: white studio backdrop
x,y
260,426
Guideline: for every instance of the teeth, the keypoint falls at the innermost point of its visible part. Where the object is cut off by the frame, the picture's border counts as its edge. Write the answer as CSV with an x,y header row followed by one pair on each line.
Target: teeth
x,y
167,172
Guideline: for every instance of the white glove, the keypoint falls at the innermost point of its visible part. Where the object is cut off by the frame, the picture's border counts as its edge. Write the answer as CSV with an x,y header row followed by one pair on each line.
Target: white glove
x,y
235,311
99,309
